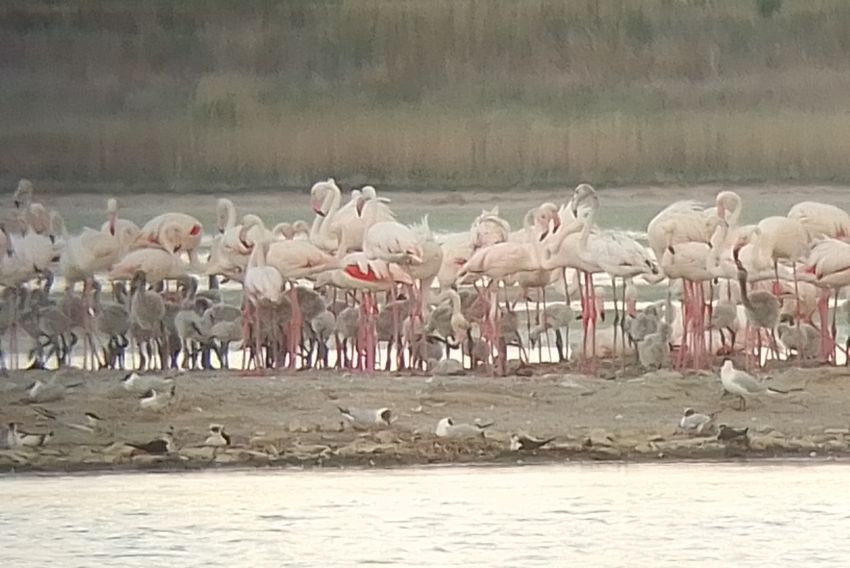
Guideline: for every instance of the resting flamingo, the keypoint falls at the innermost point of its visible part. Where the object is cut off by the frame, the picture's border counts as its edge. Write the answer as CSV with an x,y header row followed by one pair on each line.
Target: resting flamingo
x,y
184,233
116,226
821,219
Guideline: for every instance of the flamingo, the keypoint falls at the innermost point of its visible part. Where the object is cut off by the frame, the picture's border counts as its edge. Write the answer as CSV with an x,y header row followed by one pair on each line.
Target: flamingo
x,y
368,275
92,252
762,310
263,287
688,261
178,230
783,238
613,252
821,219
682,221
486,229
828,264
503,260
157,264
115,226
293,260
343,229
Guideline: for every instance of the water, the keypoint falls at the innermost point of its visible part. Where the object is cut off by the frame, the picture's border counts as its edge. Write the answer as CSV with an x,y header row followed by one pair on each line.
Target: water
x,y
599,515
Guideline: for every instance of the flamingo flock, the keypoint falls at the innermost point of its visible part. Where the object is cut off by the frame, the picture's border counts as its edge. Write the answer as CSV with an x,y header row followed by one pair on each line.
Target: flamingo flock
x,y
377,293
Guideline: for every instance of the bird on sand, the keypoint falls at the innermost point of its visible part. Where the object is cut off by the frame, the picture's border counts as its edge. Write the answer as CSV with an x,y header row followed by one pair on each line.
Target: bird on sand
x,y
447,428
140,384
218,438
728,434
367,418
154,400
696,422
522,442
161,445
743,384
17,438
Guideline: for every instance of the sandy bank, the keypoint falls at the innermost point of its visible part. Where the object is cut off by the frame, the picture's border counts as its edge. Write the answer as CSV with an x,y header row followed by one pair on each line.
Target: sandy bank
x,y
292,419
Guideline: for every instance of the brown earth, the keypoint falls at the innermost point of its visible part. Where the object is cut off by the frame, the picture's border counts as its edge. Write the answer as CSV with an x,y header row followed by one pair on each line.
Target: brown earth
x,y
292,418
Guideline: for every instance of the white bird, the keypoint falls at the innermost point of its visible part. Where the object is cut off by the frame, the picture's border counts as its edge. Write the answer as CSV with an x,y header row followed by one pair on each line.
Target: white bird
x,y
367,418
743,384
821,219
446,428
391,241
140,384
18,438
50,391
218,438
153,400
696,422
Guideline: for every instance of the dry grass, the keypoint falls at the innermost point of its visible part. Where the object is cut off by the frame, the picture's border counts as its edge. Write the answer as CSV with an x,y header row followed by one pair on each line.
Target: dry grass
x,y
424,92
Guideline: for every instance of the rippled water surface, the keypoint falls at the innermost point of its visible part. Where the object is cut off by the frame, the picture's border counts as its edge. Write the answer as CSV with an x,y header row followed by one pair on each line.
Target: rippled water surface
x,y
599,515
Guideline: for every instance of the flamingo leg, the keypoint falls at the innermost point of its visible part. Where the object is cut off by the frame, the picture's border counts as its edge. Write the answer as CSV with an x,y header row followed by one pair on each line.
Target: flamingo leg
x,y
593,316
834,329
566,355
616,312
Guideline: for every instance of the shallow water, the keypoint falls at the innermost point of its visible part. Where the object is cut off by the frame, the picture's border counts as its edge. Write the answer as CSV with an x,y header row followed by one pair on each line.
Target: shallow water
x,y
600,515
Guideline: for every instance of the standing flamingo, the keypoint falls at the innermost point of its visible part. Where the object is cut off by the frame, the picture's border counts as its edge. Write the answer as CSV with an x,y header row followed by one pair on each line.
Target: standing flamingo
x,y
263,287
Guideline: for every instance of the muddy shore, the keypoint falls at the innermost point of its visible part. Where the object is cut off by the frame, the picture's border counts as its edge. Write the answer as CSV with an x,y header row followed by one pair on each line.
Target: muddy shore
x,y
291,419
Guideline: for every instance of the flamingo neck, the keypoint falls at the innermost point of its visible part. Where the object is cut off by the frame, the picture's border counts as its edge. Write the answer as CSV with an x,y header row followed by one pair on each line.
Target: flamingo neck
x,y
230,209
330,206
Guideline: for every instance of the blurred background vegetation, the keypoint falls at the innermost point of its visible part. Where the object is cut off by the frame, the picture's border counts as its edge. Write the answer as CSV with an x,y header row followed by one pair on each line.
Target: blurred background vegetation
x,y
205,94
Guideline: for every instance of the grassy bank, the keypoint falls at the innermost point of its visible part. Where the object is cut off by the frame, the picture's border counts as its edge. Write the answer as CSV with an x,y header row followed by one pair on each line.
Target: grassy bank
x,y
191,94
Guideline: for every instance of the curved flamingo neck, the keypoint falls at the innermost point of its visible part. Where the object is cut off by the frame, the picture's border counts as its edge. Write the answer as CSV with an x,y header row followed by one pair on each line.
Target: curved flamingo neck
x,y
320,232
230,209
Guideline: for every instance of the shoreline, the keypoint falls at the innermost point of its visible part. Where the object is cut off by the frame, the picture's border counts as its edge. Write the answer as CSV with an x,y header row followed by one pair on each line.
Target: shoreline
x,y
180,463
291,420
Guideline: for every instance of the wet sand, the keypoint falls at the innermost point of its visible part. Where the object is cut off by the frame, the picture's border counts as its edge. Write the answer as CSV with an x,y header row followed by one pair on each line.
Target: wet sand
x,y
291,419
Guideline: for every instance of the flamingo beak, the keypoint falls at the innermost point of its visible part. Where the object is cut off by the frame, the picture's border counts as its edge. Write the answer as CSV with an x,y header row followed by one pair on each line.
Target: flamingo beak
x,y
317,208
721,211
359,206
112,223
556,223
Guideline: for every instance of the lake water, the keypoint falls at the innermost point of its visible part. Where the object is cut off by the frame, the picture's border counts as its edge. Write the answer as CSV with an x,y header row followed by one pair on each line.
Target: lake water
x,y
591,515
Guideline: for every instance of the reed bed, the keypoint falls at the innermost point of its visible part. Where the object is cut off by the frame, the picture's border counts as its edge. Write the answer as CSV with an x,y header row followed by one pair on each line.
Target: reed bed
x,y
423,93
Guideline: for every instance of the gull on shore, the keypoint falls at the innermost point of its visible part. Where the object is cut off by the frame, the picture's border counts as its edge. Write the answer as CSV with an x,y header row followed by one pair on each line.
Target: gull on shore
x,y
743,384
153,400
140,384
367,418
447,428
93,422
218,437
163,444
696,422
521,442
17,438
728,434
50,391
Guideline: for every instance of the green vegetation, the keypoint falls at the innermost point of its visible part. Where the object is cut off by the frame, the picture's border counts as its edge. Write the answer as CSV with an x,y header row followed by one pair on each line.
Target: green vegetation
x,y
191,94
